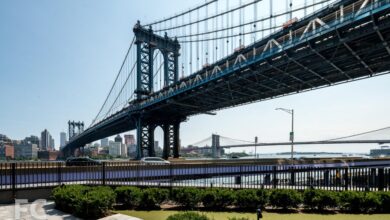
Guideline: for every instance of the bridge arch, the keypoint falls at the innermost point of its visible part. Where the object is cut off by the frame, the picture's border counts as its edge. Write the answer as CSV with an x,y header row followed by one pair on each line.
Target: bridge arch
x,y
159,78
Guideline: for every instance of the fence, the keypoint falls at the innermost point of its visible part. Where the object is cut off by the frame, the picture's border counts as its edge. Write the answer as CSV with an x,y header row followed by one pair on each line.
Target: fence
x,y
24,175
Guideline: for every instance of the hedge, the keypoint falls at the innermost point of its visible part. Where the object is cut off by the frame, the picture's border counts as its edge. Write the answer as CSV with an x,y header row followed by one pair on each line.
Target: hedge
x,y
94,202
218,198
83,201
188,216
251,198
128,196
187,197
285,198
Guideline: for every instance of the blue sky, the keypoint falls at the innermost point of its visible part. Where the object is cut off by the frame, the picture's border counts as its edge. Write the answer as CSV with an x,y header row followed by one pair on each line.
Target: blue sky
x,y
58,60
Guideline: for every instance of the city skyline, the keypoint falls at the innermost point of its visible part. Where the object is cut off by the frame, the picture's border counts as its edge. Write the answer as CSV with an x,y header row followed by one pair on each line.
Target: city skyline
x,y
58,53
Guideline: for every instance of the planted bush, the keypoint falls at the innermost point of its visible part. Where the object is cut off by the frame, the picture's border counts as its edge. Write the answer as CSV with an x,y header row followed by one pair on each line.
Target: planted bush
x,y
285,198
96,202
250,198
371,202
152,198
129,196
385,201
83,201
188,216
66,197
351,201
320,199
217,198
187,197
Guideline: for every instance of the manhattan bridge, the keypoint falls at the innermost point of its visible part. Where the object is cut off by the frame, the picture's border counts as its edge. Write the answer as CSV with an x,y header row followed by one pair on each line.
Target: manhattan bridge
x,y
224,53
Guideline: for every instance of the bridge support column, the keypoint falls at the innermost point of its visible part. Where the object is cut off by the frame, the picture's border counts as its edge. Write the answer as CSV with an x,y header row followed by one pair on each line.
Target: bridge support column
x,y
145,139
171,140
215,146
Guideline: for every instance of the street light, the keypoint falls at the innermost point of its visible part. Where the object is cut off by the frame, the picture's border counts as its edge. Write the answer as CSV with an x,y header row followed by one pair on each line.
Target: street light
x,y
291,112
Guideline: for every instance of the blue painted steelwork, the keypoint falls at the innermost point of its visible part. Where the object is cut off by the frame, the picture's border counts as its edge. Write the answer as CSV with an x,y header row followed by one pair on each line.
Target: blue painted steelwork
x,y
329,53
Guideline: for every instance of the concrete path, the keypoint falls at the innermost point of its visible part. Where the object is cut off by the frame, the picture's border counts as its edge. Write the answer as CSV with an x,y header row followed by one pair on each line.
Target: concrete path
x,y
42,210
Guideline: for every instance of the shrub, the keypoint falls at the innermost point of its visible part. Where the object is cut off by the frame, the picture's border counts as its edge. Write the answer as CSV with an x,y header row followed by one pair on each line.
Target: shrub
x,y
83,201
217,198
320,199
129,196
285,198
152,197
351,201
371,202
96,202
385,201
250,198
66,197
187,197
188,216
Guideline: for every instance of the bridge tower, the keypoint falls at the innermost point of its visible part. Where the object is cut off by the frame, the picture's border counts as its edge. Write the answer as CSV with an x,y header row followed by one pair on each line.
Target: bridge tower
x,y
147,42
215,146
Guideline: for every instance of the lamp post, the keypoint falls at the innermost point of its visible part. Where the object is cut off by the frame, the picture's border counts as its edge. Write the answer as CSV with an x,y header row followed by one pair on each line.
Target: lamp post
x,y
291,112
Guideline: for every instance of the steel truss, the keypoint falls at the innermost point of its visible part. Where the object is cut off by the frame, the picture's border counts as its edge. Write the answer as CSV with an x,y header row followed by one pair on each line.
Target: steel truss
x,y
147,42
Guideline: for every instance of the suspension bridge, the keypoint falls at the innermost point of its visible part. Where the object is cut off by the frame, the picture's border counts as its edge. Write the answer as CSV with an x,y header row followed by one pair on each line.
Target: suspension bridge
x,y
217,142
218,55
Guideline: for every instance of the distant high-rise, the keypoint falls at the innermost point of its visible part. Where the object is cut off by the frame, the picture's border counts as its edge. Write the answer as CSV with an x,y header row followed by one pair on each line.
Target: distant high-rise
x,y
118,139
62,139
45,140
114,149
31,140
104,142
52,144
129,139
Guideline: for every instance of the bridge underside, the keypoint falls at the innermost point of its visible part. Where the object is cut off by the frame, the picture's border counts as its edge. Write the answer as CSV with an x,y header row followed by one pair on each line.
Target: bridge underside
x,y
349,52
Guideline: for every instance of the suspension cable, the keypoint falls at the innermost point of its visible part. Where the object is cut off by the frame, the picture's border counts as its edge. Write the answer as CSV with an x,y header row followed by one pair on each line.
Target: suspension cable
x,y
116,78
208,18
181,14
252,22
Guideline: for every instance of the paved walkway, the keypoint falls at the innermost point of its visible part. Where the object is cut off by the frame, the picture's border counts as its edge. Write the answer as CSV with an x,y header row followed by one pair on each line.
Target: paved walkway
x,y
44,211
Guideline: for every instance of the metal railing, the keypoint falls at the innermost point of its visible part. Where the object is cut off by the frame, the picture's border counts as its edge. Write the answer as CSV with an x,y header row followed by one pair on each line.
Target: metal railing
x,y
26,175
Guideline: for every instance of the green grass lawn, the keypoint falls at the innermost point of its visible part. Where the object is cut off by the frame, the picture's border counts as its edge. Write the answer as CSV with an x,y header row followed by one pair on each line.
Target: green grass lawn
x,y
161,215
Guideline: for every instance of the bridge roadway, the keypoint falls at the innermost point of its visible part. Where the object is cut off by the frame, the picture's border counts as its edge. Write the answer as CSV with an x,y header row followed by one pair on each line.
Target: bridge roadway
x,y
35,174
337,50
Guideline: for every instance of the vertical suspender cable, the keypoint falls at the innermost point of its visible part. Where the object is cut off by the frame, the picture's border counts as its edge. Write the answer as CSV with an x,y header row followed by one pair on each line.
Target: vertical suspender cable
x,y
184,61
227,25
231,31
190,30
270,17
197,42
254,19
205,29
241,41
216,33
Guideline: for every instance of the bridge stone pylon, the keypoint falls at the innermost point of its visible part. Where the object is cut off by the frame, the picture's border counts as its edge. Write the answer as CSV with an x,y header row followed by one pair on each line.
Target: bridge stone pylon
x,y
147,42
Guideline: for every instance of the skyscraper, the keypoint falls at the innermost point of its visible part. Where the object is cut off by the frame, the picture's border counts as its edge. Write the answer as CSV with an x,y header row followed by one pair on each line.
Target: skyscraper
x,y
45,140
62,139
104,142
129,139
118,139
52,144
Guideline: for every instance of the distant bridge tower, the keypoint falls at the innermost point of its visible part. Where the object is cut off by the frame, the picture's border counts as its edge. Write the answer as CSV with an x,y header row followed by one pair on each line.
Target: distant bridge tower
x,y
75,128
215,146
147,42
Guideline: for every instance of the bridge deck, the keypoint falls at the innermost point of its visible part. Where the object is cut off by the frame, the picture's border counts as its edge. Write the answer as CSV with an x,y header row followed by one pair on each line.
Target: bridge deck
x,y
352,48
